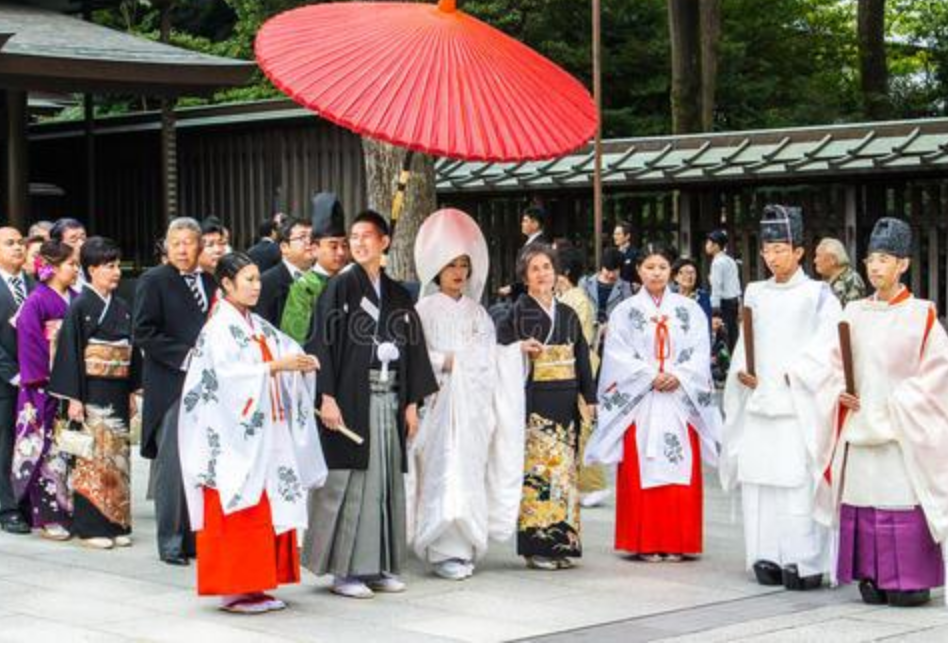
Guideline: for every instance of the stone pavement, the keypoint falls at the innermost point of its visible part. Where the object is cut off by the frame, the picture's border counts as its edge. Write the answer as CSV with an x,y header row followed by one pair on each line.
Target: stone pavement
x,y
64,592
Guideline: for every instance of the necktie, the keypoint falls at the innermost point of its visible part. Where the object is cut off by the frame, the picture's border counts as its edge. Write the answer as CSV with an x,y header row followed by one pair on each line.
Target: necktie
x,y
19,292
192,279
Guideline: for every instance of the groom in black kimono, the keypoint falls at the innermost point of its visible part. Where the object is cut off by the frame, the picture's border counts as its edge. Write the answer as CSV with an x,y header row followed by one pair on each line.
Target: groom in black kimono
x,y
375,373
171,305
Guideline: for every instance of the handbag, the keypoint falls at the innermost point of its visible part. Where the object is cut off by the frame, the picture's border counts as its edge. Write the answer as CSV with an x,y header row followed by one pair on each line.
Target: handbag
x,y
74,438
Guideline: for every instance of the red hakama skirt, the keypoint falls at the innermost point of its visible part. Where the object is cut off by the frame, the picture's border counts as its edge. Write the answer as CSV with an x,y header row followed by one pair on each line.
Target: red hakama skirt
x,y
241,553
661,519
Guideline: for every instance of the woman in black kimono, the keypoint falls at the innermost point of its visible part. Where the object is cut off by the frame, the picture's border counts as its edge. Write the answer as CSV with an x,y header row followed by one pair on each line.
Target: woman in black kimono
x,y
551,335
96,370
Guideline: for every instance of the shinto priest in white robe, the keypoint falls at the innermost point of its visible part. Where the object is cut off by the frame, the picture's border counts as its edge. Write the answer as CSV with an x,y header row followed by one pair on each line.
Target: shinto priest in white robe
x,y
892,455
768,448
242,431
466,462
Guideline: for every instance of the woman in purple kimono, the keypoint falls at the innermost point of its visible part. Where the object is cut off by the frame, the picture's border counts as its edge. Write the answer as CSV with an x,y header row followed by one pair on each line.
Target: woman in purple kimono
x,y
40,471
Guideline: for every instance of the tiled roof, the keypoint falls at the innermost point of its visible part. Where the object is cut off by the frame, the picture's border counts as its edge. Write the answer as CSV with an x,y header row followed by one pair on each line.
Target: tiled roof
x,y
716,158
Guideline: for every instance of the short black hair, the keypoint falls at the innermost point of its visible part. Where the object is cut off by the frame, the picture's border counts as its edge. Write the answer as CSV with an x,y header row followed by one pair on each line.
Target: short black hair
x,y
538,214
625,226
572,264
98,251
660,249
266,228
212,225
230,265
681,262
60,227
611,259
376,219
528,254
287,225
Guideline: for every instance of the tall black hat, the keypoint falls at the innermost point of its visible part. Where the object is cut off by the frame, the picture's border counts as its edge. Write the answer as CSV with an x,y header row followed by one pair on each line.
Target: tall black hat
x,y
782,224
328,217
892,236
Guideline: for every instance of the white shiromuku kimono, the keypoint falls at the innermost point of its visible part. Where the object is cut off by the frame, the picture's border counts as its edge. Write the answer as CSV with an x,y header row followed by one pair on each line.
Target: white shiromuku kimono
x,y
242,431
466,462
468,454
769,449
630,365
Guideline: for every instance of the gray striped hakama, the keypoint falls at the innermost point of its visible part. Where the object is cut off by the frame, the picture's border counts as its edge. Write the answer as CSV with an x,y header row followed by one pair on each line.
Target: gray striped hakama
x,y
357,519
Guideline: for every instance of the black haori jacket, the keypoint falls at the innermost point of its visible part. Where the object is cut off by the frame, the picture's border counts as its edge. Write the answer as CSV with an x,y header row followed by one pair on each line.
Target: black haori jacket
x,y
343,338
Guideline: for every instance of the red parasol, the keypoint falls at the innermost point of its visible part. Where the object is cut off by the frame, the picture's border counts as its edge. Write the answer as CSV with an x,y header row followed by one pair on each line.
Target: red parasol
x,y
428,78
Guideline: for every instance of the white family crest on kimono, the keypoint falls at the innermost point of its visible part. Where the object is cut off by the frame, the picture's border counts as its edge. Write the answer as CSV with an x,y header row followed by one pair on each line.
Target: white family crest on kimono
x,y
242,431
898,434
644,338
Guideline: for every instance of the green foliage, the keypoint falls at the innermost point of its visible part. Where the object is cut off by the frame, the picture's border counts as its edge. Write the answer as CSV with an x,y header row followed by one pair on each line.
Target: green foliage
x,y
782,62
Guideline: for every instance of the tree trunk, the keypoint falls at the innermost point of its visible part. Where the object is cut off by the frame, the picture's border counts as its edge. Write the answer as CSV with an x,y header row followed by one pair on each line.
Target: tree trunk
x,y
684,30
873,71
383,163
710,39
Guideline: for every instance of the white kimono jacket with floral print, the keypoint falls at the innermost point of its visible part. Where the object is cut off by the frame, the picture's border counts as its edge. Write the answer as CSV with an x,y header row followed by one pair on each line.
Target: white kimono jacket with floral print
x,y
242,431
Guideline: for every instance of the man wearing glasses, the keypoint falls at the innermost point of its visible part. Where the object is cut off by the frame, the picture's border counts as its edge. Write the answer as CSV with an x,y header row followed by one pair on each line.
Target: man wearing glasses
x,y
296,246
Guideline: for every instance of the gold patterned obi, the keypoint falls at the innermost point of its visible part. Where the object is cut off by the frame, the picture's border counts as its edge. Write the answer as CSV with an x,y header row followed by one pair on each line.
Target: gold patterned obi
x,y
108,360
555,363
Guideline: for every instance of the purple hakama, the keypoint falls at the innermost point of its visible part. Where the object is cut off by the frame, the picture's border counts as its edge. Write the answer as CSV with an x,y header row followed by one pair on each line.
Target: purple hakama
x,y
894,548
40,471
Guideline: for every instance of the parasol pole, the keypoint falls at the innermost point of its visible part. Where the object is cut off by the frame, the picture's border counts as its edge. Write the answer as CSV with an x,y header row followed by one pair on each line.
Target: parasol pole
x,y
398,201
597,97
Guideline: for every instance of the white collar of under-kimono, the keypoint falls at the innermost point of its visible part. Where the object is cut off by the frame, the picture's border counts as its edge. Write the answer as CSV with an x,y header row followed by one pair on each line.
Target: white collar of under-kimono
x,y
235,313
900,298
798,278
649,304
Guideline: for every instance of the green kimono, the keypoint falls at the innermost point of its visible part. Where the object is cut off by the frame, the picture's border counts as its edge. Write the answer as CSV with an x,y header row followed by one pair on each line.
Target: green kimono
x,y
300,302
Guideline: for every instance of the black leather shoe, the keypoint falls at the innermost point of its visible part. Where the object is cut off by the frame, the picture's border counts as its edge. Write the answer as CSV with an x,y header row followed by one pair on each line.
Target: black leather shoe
x,y
793,581
768,573
909,597
871,593
176,560
15,525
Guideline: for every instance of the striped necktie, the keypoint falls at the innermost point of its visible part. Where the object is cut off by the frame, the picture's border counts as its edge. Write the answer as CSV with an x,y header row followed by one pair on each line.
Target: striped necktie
x,y
19,291
192,279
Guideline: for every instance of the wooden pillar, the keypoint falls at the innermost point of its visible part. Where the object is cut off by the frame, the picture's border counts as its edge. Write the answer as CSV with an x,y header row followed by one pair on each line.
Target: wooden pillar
x,y
16,175
88,103
597,174
851,223
169,162
685,225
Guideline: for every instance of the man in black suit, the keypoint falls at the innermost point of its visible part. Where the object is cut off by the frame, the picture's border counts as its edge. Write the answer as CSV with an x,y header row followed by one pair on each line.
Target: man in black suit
x,y
531,225
171,305
266,252
296,246
15,287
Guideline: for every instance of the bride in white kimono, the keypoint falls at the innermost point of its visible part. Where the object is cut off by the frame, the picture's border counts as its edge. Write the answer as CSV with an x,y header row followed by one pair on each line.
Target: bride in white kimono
x,y
249,447
466,462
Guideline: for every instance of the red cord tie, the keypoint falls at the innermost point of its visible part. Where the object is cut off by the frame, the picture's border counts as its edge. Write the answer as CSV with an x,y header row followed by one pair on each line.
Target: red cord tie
x,y
662,341
278,414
